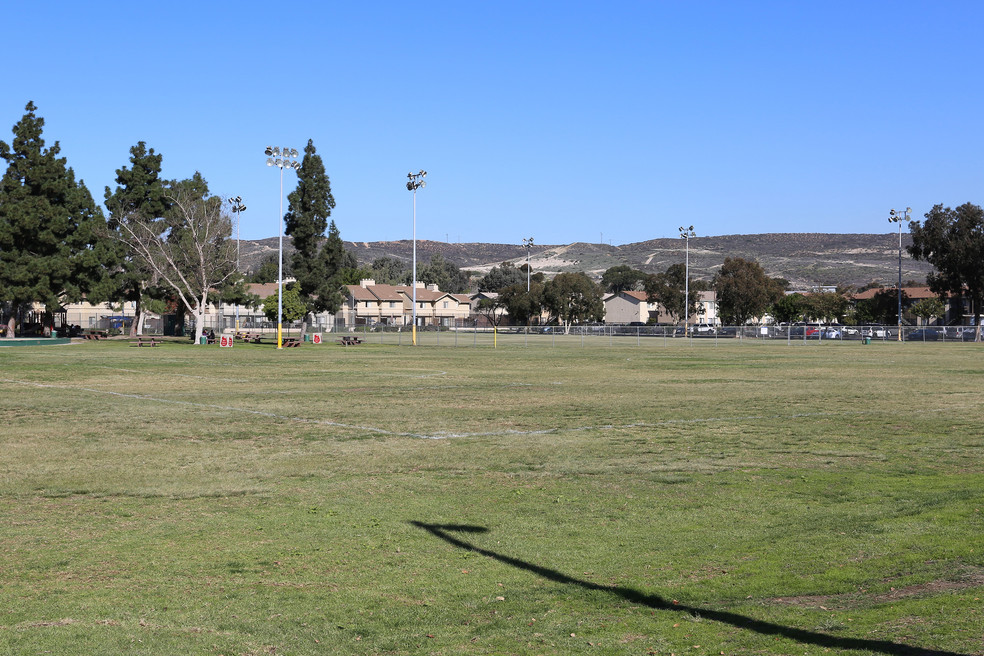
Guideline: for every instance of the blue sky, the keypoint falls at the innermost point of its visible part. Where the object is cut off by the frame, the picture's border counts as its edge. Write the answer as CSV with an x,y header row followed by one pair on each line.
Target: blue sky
x,y
562,121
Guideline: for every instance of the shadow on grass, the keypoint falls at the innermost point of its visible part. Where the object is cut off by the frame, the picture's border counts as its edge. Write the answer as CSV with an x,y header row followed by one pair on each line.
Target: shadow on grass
x,y
443,531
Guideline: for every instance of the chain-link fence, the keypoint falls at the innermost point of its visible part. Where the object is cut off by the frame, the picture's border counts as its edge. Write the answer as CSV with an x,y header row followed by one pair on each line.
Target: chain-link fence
x,y
655,335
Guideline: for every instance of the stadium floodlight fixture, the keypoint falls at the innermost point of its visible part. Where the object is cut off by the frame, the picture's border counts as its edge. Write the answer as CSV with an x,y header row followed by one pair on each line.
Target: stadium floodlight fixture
x,y
238,207
528,244
281,158
686,234
899,217
415,181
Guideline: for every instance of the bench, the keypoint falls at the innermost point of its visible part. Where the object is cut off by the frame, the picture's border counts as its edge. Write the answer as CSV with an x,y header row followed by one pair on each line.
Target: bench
x,y
349,340
148,341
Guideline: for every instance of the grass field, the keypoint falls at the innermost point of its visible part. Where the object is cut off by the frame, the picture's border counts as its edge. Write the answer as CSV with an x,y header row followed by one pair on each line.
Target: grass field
x,y
705,498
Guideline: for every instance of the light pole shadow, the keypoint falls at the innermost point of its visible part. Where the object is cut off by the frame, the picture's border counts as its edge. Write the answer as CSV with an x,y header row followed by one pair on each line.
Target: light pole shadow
x,y
656,602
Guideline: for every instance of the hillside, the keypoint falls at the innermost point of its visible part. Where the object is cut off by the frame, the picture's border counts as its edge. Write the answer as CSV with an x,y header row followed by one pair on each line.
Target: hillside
x,y
805,259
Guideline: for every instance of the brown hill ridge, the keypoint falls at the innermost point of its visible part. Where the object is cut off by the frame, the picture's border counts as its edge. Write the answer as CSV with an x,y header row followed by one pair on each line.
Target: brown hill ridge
x,y
805,259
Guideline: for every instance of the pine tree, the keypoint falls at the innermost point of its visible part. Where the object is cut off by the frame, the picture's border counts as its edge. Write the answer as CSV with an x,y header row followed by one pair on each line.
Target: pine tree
x,y
52,245
316,266
140,189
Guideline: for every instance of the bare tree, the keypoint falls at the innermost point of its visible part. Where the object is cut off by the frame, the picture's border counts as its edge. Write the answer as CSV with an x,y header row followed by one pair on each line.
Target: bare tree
x,y
493,309
188,252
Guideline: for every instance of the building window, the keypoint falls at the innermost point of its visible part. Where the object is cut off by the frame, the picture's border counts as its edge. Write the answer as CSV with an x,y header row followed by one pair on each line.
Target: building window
x,y
445,305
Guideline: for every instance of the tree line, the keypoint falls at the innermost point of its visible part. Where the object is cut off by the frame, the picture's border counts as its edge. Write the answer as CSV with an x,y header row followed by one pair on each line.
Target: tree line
x,y
742,288
165,245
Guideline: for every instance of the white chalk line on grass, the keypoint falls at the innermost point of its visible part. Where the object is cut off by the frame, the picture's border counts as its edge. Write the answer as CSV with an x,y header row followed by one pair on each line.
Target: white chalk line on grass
x,y
400,375
210,406
158,373
448,435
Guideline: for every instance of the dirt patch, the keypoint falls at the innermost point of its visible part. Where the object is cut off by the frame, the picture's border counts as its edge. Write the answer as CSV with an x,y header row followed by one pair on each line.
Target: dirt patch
x,y
972,579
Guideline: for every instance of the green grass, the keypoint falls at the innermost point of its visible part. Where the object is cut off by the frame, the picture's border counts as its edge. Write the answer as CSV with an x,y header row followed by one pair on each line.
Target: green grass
x,y
544,499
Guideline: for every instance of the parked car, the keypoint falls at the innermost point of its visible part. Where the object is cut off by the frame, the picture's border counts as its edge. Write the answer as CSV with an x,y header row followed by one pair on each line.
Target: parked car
x,y
924,335
809,332
703,329
831,333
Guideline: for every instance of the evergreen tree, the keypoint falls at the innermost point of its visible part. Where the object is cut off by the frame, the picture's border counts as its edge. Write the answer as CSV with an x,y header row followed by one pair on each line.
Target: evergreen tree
x,y
788,308
51,245
521,305
744,291
621,278
573,298
316,266
668,289
291,306
140,189
336,262
267,271
443,273
952,240
389,271
502,276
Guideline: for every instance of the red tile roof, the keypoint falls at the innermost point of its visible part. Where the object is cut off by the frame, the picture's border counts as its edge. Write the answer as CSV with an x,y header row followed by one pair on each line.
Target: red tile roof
x,y
914,293
262,290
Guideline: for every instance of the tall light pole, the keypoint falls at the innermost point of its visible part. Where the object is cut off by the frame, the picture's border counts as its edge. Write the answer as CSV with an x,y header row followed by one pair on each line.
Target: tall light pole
x,y
899,217
686,234
528,244
283,158
238,208
415,181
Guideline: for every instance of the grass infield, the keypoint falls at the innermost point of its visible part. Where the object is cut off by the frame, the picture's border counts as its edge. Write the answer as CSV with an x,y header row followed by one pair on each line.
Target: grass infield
x,y
539,498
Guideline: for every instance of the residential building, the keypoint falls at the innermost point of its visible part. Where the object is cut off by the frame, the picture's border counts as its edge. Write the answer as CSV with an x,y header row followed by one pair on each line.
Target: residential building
x,y
368,304
628,307
957,310
634,307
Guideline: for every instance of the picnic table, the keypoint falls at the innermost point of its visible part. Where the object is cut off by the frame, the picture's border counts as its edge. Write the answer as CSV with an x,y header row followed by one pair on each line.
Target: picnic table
x,y
249,337
291,343
96,335
145,341
349,340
